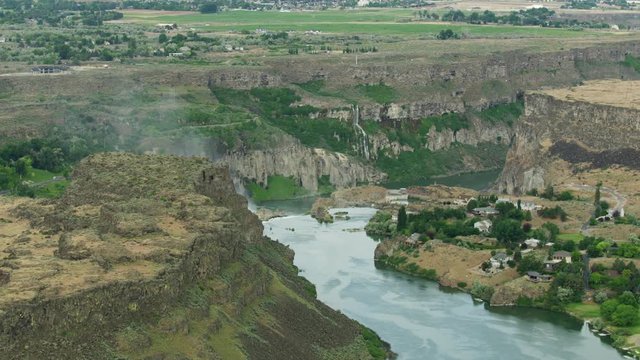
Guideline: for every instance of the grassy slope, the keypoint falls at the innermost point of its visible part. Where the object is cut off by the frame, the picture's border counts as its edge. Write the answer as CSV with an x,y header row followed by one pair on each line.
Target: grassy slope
x,y
279,188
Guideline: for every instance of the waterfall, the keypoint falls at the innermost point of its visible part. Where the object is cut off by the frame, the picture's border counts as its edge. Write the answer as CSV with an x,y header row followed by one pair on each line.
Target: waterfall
x,y
356,124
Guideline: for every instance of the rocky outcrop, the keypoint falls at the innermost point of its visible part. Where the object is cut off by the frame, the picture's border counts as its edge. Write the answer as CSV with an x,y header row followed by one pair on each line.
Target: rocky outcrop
x,y
207,285
556,126
290,158
380,142
477,132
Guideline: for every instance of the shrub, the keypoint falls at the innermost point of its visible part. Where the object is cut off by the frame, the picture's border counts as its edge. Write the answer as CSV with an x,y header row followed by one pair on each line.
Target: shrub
x,y
608,308
481,291
462,284
447,34
624,315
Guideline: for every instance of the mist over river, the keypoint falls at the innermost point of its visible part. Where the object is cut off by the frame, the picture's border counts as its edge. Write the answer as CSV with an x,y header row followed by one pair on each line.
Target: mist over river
x,y
417,317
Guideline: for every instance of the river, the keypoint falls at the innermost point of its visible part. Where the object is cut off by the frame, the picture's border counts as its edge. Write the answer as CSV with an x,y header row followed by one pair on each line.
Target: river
x,y
417,317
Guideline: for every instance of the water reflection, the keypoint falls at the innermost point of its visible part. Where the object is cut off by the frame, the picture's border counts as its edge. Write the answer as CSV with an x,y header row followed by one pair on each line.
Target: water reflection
x,y
417,317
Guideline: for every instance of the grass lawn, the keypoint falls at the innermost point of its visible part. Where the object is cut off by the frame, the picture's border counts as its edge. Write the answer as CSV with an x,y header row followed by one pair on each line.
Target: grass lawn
x,y
585,311
278,188
362,21
37,175
575,237
52,190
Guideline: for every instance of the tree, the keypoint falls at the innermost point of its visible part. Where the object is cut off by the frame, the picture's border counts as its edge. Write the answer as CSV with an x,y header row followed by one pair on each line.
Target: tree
x,y
624,315
23,166
548,193
530,263
209,8
627,298
402,218
163,38
472,204
608,308
564,295
553,229
486,266
508,231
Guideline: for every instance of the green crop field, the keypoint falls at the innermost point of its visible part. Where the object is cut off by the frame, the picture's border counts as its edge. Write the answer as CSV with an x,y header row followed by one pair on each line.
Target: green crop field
x,y
374,22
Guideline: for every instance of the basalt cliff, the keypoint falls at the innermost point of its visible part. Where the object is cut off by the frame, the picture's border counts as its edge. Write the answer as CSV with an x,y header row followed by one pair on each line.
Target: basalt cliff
x,y
156,257
595,125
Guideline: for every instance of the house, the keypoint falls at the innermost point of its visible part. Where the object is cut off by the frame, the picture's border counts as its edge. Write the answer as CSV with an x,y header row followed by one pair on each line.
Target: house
x,y
485,211
397,196
535,276
483,226
532,243
413,240
562,255
49,69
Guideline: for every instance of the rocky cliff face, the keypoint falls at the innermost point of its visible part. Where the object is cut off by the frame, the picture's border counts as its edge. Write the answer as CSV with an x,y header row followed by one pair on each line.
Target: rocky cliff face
x,y
290,158
150,257
478,132
589,124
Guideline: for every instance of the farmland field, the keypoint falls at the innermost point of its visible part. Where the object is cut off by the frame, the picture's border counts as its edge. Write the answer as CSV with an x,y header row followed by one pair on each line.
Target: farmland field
x,y
380,22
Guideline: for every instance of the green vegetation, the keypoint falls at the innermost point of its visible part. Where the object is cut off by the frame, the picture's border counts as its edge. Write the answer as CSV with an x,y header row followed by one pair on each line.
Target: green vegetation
x,y
506,113
453,121
375,346
364,21
575,237
380,225
380,93
275,106
632,62
481,291
278,188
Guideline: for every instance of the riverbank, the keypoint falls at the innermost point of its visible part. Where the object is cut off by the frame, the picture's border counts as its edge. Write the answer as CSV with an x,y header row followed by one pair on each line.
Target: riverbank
x,y
452,267
419,317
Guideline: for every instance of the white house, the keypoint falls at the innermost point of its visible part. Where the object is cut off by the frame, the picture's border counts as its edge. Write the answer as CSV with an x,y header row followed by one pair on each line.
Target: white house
x,y
483,226
532,243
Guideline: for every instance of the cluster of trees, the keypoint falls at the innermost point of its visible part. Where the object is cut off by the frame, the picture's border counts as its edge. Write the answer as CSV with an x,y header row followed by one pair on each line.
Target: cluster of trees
x,y
81,45
553,213
368,49
530,17
441,223
616,290
57,12
550,194
447,35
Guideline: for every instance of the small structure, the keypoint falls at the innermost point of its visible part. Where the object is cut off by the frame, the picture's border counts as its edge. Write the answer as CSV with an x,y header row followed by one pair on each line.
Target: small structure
x,y
551,265
532,243
485,211
413,240
176,54
562,255
483,226
397,196
49,69
500,259
535,276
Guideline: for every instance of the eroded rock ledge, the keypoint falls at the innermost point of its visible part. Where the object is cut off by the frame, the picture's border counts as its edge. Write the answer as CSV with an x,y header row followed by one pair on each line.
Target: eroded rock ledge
x,y
149,257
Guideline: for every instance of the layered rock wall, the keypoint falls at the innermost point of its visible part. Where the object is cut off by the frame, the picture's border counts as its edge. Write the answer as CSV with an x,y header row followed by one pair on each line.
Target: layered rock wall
x,y
594,127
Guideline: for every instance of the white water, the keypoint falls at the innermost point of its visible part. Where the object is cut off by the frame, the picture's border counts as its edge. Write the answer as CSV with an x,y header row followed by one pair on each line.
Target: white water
x,y
365,139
